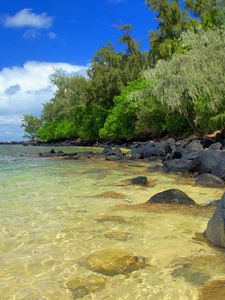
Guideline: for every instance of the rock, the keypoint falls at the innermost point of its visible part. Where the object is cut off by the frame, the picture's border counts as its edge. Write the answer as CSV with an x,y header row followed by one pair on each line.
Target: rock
x,y
140,180
112,153
172,196
180,165
60,152
194,145
117,235
117,219
213,290
212,162
82,286
213,203
150,149
52,151
215,146
215,231
113,262
209,180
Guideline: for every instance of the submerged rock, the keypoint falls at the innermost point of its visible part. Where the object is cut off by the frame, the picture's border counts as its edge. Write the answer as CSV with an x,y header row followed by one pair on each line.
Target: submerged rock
x,y
198,269
117,219
113,262
117,235
140,180
209,180
213,290
82,286
215,232
172,196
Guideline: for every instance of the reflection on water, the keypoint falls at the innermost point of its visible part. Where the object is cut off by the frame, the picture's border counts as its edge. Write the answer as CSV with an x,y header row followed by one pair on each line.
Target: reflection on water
x,y
55,214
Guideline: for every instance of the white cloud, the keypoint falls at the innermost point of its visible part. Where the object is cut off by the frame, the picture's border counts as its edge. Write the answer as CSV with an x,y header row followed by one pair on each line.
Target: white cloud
x,y
52,35
24,90
31,34
27,18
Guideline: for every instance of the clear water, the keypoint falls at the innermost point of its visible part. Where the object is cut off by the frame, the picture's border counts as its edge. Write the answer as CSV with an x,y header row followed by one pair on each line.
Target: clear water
x,y
54,212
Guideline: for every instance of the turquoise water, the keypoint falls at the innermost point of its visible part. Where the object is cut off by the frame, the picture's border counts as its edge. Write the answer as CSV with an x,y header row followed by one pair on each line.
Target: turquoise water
x,y
55,212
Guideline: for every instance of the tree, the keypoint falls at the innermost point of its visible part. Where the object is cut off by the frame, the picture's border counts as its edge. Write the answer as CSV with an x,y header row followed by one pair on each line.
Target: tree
x,y
30,124
193,83
172,22
209,12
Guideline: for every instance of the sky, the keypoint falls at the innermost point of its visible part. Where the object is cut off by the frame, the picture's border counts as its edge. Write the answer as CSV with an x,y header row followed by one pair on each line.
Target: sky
x,y
39,37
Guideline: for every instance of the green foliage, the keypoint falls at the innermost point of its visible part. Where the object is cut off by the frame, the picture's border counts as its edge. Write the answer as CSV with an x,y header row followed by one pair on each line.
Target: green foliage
x,y
217,122
181,82
134,117
56,130
210,12
121,120
30,124
172,22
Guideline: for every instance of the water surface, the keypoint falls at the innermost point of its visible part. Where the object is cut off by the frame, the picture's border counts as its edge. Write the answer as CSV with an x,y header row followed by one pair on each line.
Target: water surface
x,y
54,212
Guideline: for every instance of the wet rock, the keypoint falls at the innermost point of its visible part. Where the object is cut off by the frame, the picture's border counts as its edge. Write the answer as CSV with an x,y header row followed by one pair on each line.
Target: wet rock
x,y
212,162
215,232
213,203
113,262
52,151
179,165
171,196
112,153
194,145
213,290
215,146
140,180
82,286
149,150
209,180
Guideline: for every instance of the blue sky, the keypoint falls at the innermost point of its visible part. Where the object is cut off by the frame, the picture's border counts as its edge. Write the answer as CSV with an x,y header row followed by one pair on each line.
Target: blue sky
x,y
38,37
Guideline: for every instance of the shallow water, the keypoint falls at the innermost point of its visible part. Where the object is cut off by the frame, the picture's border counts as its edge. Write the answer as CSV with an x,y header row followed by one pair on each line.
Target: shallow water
x,y
55,212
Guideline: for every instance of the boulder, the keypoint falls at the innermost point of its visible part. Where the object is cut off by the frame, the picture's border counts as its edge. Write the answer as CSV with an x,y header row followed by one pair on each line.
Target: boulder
x,y
113,262
212,162
112,153
215,146
140,180
215,231
209,180
180,165
150,149
194,145
172,196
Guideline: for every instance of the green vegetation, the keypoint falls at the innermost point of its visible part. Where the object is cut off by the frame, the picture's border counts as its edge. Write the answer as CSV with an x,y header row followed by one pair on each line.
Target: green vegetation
x,y
175,88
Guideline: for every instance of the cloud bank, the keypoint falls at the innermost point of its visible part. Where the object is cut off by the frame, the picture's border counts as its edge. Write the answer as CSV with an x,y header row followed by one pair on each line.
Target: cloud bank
x,y
23,90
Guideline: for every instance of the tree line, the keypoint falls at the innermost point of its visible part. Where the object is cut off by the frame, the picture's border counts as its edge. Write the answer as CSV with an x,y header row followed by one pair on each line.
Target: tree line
x,y
175,88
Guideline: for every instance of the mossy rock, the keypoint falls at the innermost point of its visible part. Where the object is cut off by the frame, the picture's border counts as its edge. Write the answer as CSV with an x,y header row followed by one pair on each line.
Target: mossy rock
x,y
82,286
113,262
213,290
